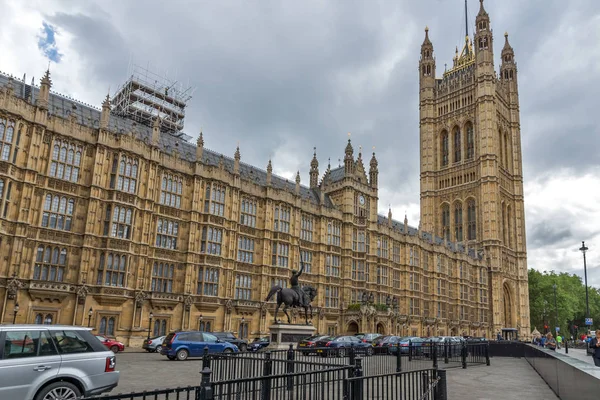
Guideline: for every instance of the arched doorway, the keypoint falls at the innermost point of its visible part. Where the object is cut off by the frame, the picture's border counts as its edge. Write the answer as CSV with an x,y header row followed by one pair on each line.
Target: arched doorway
x,y
508,308
352,328
380,328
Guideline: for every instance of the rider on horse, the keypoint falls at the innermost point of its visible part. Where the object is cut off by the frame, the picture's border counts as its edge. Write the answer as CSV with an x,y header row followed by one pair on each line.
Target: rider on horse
x,y
296,287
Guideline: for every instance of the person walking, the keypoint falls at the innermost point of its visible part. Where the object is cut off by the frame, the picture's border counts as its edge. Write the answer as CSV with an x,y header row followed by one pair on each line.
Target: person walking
x,y
550,342
559,340
595,345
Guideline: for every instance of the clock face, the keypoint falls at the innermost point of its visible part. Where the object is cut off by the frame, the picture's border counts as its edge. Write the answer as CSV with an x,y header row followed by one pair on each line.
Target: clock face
x,y
361,200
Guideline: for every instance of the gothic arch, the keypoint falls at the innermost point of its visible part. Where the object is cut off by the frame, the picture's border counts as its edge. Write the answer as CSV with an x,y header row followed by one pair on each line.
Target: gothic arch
x,y
469,140
381,328
352,328
471,218
445,220
444,148
457,219
457,143
509,306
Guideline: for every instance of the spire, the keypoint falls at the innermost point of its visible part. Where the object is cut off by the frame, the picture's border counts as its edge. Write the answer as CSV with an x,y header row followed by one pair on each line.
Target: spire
x,y
482,12
105,115
44,95
466,20
199,147
405,223
156,131
349,158
373,171
236,162
426,41
507,47
298,183
508,68
314,170
390,216
269,172
314,163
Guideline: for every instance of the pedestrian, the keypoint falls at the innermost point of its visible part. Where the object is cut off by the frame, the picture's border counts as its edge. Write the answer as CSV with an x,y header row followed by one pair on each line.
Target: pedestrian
x,y
595,345
550,342
559,340
499,336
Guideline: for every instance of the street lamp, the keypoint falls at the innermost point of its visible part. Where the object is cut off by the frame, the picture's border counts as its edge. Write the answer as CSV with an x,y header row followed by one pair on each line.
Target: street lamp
x,y
242,327
583,249
150,324
556,308
16,310
90,312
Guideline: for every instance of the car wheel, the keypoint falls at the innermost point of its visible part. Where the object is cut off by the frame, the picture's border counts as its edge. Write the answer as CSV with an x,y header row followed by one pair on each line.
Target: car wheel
x,y
342,353
158,349
227,351
182,355
59,390
114,348
369,351
172,358
243,347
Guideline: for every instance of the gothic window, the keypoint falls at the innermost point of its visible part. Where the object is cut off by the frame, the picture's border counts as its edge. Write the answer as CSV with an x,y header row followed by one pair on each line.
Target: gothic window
x,y
396,282
208,281
332,296
470,142
457,145
281,254
160,327
358,241
471,220
332,265
428,70
243,287
122,220
50,264
166,233
162,277
205,326
243,330
413,256
66,161
396,252
112,269
358,270
445,148
334,233
6,138
58,212
214,199
506,152
414,306
382,275
508,227
281,219
107,326
124,174
211,240
171,190
414,281
245,250
248,213
5,190
306,231
41,320
458,224
446,221
306,257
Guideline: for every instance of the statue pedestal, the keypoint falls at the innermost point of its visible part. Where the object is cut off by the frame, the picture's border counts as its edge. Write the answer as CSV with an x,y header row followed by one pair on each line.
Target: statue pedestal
x,y
282,335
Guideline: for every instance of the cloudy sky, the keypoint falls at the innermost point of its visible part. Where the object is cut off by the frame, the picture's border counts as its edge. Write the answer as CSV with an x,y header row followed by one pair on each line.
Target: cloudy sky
x,y
282,76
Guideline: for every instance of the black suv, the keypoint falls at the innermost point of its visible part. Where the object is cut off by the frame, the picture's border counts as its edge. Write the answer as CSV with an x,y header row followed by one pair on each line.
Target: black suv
x,y
230,338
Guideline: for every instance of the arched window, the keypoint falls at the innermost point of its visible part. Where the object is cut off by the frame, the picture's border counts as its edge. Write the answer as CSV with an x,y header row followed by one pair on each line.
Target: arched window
x,y
470,141
458,224
471,220
160,327
457,145
205,326
446,221
508,227
50,264
445,148
102,329
501,148
48,319
506,152
38,319
163,327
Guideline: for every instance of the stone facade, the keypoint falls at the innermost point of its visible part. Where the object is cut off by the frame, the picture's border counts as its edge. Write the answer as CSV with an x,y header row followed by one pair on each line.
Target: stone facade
x,y
471,165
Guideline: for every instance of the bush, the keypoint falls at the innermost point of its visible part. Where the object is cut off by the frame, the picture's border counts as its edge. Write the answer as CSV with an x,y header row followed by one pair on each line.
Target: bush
x,y
354,307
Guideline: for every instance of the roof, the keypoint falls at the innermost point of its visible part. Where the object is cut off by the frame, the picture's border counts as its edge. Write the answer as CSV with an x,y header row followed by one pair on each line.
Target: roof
x,y
88,115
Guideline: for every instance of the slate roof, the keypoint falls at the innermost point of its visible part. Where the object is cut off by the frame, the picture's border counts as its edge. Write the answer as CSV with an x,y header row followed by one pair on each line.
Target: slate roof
x,y
88,115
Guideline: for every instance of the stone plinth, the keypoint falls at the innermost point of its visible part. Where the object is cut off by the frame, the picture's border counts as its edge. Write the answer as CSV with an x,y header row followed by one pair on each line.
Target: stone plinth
x,y
282,335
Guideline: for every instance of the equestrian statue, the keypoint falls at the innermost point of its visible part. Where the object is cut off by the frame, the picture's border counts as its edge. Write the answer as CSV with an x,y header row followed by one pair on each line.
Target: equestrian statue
x,y
295,297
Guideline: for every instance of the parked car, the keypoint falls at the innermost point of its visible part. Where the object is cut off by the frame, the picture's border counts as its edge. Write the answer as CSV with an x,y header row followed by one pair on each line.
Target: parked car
x,y
153,345
414,342
339,345
367,337
259,343
386,344
114,345
307,346
229,337
38,361
181,345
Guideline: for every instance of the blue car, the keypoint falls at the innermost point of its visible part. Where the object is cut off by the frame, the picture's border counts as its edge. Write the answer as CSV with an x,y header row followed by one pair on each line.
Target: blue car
x,y
181,345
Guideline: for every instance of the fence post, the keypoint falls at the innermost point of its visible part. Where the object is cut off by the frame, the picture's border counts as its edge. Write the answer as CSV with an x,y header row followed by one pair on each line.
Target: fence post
x,y
266,384
425,382
566,347
205,358
441,392
352,358
446,349
434,347
206,390
464,355
290,367
409,350
487,354
398,359
357,383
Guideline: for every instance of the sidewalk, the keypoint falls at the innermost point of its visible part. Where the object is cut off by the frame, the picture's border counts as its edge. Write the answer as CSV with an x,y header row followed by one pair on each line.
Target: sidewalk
x,y
579,354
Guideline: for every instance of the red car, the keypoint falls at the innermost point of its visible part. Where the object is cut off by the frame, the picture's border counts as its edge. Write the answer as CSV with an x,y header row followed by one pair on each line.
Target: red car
x,y
112,344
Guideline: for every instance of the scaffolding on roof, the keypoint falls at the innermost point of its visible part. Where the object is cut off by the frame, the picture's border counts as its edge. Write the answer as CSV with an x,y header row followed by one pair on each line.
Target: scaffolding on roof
x,y
147,95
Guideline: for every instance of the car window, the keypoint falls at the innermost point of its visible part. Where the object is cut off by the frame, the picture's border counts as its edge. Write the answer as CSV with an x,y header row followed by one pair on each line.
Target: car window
x,y
183,337
20,344
209,338
101,338
194,337
70,342
47,347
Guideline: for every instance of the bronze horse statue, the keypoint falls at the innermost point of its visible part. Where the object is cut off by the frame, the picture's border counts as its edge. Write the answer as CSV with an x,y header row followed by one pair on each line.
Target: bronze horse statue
x,y
289,298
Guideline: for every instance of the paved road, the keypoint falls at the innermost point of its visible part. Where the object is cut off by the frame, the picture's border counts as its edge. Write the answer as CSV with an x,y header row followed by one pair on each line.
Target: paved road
x,y
506,378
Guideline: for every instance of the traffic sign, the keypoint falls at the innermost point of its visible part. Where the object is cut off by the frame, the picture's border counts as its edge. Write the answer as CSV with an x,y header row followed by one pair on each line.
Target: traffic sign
x,y
557,328
589,321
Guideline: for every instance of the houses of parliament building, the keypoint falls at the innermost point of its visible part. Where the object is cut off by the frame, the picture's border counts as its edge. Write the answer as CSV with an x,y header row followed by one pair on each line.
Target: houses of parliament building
x,y
111,218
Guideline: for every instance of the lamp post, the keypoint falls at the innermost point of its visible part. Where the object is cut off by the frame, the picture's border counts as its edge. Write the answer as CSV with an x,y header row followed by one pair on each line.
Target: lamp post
x,y
242,327
90,312
583,249
200,319
16,310
556,309
150,324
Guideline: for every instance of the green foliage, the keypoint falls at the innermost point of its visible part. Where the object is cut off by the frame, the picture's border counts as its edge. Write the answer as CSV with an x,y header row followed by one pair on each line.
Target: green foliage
x,y
380,307
570,301
354,307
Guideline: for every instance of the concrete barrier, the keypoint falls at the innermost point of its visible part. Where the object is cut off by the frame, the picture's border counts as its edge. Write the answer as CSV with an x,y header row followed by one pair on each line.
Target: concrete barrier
x,y
569,378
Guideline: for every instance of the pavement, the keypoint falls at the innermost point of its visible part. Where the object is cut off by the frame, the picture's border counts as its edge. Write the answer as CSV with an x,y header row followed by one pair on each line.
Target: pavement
x,y
506,378
579,354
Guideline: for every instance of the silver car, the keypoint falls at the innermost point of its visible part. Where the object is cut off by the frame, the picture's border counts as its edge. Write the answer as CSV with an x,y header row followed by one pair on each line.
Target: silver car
x,y
50,362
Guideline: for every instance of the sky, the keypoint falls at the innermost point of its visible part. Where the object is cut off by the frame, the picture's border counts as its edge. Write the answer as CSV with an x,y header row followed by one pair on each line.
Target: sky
x,y
280,77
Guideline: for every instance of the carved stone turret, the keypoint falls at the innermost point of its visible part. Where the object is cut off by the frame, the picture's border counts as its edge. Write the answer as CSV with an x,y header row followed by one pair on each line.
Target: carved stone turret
x,y
105,116
44,96
236,162
269,173
199,147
